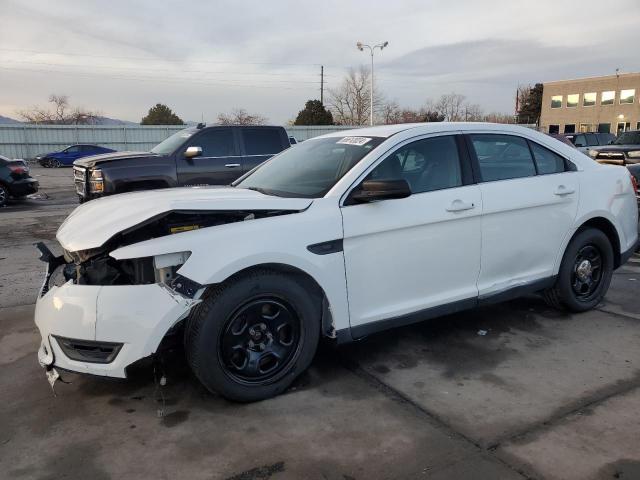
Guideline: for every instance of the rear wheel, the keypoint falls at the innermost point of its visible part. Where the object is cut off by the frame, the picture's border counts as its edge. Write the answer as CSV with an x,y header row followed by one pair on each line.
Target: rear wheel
x,y
585,272
4,195
250,338
55,163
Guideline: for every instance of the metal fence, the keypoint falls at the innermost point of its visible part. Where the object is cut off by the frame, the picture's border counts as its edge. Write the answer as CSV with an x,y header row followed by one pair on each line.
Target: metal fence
x,y
27,141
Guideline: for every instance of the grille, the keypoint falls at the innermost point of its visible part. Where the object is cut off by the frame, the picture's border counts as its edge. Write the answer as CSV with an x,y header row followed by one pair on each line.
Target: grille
x,y
610,156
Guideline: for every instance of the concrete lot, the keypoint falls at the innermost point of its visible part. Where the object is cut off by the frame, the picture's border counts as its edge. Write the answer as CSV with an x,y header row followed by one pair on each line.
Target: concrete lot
x,y
541,395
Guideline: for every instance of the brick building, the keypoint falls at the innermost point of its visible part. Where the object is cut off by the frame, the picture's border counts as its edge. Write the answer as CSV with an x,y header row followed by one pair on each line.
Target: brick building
x,y
596,104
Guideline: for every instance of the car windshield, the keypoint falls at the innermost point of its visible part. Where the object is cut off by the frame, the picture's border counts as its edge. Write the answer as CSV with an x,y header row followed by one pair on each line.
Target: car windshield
x,y
310,169
169,145
628,138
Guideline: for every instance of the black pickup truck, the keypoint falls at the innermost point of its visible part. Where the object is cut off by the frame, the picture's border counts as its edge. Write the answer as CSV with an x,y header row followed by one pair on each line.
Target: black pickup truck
x,y
201,155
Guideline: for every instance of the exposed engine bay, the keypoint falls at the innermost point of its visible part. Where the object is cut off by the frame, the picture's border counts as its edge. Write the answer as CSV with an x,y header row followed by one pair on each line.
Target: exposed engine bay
x,y
96,267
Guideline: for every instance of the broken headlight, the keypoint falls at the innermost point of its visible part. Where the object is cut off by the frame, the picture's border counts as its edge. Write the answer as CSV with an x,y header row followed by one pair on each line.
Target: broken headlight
x,y
167,264
96,181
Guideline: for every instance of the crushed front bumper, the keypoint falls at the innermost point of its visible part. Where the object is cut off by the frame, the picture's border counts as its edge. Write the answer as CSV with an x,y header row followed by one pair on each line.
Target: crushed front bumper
x,y
135,317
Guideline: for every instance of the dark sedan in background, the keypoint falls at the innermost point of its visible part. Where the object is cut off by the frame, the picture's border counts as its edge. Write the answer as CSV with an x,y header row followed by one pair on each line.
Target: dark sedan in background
x,y
66,157
15,180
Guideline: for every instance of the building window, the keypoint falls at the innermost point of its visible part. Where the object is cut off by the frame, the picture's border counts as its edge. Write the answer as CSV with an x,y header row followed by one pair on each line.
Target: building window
x,y
607,98
554,128
572,100
627,96
589,99
585,127
570,128
556,101
604,128
638,126
623,127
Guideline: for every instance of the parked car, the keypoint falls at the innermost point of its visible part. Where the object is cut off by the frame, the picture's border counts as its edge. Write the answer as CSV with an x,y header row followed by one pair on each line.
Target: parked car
x,y
342,236
66,157
624,150
561,138
585,141
292,140
15,180
195,156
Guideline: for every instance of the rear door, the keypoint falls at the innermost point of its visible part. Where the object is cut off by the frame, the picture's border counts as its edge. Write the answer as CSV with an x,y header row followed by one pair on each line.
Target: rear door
x,y
260,144
219,164
530,199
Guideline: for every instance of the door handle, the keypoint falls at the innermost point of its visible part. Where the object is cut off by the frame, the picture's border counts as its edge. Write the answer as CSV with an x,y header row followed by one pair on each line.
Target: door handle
x,y
459,206
562,190
232,165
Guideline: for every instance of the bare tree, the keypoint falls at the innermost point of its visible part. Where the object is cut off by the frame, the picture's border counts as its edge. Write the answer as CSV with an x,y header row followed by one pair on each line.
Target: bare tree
x,y
62,113
240,116
452,106
350,103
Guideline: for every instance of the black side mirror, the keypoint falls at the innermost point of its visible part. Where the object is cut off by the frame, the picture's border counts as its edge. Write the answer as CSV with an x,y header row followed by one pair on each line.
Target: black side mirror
x,y
372,190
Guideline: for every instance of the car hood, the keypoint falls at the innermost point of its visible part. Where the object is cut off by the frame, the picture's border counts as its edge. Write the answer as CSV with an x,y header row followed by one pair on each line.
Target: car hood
x,y
93,223
93,160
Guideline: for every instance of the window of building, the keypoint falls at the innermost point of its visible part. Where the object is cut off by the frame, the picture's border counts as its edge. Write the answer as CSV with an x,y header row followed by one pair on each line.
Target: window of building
x,y
570,128
572,100
607,98
638,126
604,128
427,165
585,127
556,101
502,157
627,96
546,160
589,99
554,129
623,127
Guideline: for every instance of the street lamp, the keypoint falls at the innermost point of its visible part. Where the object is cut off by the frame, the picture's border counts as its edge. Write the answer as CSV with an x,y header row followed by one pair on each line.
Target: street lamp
x,y
361,46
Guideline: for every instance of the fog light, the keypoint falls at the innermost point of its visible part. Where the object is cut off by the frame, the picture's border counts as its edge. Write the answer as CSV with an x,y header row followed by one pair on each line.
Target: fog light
x,y
88,351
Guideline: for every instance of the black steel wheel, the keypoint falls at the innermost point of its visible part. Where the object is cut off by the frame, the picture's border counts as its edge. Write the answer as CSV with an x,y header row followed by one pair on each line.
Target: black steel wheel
x,y
585,272
259,340
251,336
4,195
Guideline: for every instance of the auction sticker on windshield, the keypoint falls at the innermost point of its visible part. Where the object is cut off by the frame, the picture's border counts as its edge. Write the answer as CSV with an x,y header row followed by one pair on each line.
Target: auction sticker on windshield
x,y
354,140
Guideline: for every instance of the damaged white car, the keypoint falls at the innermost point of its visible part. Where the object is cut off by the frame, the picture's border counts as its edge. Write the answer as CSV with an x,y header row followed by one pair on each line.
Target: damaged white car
x,y
342,236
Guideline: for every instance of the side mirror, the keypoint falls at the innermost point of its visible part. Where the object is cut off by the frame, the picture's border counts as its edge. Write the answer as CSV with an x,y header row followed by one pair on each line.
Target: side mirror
x,y
191,152
372,190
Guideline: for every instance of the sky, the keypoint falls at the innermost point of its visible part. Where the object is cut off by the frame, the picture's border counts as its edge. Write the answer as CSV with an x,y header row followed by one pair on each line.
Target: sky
x,y
204,58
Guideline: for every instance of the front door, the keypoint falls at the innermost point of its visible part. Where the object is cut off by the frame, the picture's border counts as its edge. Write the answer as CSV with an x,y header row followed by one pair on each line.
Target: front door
x,y
219,164
407,255
529,198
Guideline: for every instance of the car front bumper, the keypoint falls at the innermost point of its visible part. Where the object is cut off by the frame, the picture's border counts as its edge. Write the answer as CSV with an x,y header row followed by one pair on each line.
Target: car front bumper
x,y
135,317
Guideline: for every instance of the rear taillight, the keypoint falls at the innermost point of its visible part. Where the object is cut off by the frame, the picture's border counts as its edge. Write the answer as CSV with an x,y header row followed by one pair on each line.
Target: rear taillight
x,y
19,169
634,183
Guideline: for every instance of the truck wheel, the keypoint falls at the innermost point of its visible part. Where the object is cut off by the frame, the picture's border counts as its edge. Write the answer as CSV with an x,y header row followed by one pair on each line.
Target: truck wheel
x,y
4,195
251,337
585,273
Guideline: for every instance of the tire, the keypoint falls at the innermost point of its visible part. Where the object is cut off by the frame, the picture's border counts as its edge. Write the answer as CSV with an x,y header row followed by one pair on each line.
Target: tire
x,y
251,337
585,273
4,195
55,163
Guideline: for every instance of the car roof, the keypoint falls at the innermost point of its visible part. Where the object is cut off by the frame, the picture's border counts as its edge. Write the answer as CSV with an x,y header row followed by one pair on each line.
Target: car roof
x,y
386,131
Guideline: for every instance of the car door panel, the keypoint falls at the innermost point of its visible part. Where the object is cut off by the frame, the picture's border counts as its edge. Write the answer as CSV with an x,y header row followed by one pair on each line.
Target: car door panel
x,y
411,254
219,164
525,221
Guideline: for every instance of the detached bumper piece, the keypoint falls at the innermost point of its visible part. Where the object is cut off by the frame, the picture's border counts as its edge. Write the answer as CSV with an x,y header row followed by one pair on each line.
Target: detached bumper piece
x,y
88,351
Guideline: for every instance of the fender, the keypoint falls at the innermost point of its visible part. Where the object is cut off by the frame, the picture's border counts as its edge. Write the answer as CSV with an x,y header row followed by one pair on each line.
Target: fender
x,y
219,252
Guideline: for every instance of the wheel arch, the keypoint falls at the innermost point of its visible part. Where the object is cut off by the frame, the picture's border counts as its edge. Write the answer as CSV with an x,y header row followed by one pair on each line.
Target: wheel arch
x,y
608,228
310,283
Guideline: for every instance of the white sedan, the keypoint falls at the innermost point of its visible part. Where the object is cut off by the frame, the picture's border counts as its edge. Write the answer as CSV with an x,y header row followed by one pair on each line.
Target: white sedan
x,y
345,235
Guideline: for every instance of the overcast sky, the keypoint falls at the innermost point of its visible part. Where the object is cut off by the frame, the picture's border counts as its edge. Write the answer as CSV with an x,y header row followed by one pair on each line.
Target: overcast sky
x,y
203,58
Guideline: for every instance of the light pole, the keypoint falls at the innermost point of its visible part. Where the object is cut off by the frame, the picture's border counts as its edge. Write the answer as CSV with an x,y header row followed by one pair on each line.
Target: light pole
x,y
361,46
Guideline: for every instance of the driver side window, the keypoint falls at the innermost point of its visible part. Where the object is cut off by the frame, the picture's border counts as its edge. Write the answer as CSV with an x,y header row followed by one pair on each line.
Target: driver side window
x,y
427,165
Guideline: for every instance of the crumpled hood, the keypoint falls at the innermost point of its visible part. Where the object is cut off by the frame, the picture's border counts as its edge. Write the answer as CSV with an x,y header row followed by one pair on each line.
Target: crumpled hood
x,y
93,223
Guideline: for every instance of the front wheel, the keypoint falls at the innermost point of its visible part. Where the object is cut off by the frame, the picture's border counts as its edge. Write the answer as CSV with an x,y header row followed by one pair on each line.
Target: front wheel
x,y
4,195
585,272
251,337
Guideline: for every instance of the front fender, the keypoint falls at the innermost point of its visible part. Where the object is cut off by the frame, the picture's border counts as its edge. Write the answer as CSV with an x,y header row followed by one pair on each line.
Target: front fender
x,y
219,252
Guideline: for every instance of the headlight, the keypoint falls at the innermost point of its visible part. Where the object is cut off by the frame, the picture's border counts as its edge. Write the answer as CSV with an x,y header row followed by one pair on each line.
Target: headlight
x,y
96,181
593,153
634,154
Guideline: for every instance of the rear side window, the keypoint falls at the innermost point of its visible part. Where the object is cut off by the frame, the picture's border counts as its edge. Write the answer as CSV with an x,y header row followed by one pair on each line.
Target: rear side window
x,y
502,157
215,142
262,141
592,140
580,141
546,160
